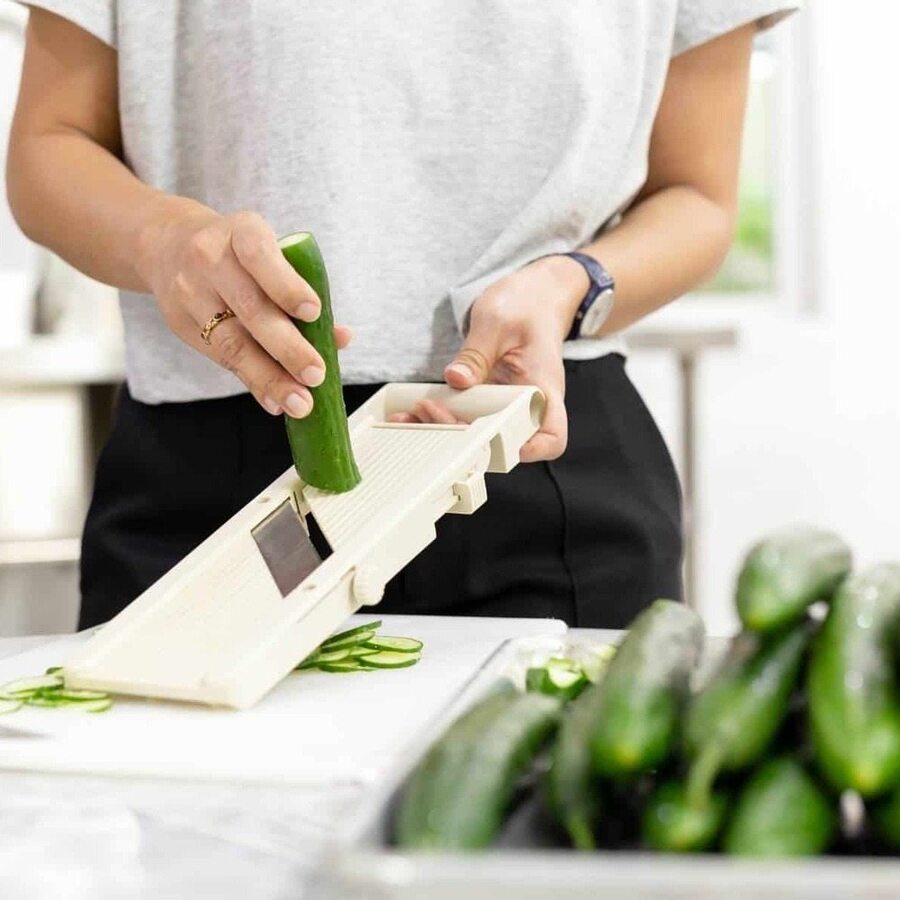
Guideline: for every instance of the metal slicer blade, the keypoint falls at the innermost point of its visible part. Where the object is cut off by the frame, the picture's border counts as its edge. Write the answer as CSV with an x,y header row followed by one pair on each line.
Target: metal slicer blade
x,y
285,547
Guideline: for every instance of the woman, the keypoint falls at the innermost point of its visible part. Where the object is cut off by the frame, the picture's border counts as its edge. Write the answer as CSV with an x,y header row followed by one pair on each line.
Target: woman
x,y
450,158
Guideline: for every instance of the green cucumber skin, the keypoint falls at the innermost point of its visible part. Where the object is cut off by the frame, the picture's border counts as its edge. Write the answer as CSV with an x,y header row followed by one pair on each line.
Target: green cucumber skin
x,y
854,707
672,823
643,691
538,680
570,786
788,571
457,796
736,715
780,812
320,442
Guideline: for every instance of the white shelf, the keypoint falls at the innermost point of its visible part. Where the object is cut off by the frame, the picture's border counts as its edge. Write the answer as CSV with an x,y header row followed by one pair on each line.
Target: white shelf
x,y
54,360
40,552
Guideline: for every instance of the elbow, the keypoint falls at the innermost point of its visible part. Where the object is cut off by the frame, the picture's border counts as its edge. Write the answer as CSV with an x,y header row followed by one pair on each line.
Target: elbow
x,y
18,194
721,228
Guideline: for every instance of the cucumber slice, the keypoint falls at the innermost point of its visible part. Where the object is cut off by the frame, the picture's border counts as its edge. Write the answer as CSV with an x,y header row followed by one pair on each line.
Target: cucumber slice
x,y
361,650
8,706
351,640
325,656
53,670
340,637
48,701
56,701
563,664
349,665
559,678
77,696
389,659
330,656
27,686
397,644
564,678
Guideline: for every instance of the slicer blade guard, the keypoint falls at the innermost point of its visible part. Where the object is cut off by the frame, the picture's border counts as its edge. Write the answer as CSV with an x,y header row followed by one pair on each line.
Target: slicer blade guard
x,y
216,629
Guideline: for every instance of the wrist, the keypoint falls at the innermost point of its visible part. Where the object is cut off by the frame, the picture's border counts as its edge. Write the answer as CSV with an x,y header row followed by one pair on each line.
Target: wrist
x,y
570,284
164,218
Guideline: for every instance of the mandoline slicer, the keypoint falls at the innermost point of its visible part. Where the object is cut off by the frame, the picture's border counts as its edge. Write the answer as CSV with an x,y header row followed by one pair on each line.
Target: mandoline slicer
x,y
238,613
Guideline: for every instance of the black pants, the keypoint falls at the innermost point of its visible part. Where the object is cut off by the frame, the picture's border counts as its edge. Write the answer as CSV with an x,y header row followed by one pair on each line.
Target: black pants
x,y
591,538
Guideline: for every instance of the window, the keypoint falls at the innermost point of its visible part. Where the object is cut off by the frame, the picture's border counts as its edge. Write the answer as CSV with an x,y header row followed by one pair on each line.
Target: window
x,y
762,264
750,266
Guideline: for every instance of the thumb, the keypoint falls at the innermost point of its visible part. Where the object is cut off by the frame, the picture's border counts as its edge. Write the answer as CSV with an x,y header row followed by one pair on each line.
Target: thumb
x,y
475,360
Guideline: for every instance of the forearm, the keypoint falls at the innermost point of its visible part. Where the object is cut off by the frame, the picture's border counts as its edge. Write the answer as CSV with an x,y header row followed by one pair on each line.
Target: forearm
x,y
680,228
74,196
665,246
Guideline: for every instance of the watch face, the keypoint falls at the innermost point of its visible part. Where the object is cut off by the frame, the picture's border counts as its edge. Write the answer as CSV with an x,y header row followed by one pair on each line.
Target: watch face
x,y
598,313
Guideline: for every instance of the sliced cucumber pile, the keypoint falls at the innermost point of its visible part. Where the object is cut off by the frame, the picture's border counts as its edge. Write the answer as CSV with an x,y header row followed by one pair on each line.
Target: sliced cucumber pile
x,y
49,692
362,649
566,678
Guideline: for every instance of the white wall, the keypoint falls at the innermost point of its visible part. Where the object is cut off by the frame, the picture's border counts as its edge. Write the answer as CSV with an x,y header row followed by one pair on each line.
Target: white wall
x,y
803,421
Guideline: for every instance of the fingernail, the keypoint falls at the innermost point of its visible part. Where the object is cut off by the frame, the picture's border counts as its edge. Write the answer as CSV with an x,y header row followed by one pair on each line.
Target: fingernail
x,y
296,406
309,312
313,375
461,369
271,406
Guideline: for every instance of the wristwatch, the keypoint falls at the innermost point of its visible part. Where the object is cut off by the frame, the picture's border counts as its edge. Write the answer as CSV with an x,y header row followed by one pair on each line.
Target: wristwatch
x,y
597,304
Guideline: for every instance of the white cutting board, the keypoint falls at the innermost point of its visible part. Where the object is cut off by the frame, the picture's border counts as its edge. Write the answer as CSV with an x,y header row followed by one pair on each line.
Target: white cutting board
x,y
312,728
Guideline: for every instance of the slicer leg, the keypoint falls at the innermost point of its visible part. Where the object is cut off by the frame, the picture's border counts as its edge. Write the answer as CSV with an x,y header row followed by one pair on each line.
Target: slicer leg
x,y
472,493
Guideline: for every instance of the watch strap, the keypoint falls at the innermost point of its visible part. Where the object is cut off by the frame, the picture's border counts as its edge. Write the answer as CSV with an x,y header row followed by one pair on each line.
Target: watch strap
x,y
600,280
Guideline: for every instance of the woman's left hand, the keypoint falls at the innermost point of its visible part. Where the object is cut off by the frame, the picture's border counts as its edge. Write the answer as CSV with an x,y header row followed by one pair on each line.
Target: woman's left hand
x,y
517,327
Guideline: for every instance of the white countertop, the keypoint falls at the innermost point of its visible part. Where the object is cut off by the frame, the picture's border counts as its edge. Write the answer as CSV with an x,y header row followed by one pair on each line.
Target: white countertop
x,y
92,838
69,837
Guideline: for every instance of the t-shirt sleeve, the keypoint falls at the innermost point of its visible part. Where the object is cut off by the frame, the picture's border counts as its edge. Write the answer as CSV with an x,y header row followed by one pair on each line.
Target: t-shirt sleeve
x,y
97,17
699,21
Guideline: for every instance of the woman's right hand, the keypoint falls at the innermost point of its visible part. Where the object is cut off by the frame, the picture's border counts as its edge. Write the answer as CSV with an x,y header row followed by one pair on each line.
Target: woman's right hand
x,y
198,262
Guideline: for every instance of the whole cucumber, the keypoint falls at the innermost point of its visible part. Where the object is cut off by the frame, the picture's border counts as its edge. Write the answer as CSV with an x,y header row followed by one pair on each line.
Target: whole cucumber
x,y
458,794
780,812
732,721
673,822
642,694
788,571
320,442
854,708
570,787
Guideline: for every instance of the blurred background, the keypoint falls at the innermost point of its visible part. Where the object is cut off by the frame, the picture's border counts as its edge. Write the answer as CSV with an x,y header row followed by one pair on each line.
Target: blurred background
x,y
775,385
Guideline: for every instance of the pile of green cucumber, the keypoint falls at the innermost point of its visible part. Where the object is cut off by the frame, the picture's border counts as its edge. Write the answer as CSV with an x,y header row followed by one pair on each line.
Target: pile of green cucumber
x,y
798,720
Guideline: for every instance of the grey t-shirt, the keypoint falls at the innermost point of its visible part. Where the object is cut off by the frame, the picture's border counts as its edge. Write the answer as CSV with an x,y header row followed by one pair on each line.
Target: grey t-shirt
x,y
431,146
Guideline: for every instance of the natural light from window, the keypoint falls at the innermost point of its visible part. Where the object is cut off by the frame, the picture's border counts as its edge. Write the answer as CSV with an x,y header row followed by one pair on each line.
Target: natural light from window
x,y
750,266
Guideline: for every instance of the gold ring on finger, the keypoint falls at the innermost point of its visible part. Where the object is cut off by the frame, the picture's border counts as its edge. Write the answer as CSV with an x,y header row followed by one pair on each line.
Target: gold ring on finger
x,y
215,320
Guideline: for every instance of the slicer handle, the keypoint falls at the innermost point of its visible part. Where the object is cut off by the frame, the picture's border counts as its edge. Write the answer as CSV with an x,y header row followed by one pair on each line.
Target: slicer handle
x,y
470,404
519,409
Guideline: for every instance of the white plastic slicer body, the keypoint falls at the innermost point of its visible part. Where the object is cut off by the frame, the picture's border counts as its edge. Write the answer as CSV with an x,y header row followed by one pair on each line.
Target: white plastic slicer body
x,y
217,630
